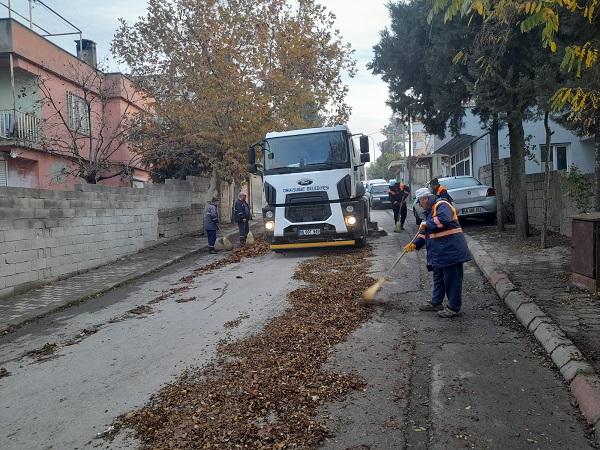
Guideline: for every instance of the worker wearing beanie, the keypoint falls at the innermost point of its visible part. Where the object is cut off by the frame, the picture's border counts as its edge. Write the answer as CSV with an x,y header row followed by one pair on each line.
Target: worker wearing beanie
x,y
440,191
447,250
241,211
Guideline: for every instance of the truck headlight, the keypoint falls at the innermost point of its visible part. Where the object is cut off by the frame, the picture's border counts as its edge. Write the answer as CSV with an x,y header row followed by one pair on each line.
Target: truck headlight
x,y
350,220
269,225
269,214
349,208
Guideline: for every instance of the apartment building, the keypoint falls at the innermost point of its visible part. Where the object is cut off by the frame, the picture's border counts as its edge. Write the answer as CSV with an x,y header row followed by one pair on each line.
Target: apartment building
x,y
62,120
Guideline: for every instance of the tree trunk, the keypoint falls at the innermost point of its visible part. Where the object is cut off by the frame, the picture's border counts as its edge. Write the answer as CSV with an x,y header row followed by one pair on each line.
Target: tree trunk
x,y
497,174
549,133
597,153
516,138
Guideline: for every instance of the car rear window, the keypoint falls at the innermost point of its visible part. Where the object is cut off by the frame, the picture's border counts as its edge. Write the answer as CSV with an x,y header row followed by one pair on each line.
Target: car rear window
x,y
379,189
456,183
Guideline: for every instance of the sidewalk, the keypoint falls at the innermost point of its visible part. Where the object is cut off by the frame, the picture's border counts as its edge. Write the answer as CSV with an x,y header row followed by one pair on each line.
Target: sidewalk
x,y
22,308
534,283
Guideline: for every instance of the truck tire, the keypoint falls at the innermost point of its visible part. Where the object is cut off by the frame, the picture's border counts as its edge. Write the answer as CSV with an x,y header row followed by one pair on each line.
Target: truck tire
x,y
361,241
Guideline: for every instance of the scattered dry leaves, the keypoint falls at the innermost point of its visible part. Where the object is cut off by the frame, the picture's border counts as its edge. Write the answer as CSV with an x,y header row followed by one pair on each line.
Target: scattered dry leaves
x,y
265,391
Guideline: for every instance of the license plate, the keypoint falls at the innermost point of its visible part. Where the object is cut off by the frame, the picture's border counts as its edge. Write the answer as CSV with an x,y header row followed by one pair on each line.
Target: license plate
x,y
309,232
476,209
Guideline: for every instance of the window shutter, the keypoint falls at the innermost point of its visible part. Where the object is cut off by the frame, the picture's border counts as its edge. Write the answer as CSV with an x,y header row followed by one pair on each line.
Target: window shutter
x,y
3,172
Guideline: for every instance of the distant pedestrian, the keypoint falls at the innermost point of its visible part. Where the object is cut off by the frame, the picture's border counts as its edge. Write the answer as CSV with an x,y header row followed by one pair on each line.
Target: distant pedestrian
x,y
440,191
405,190
211,220
446,252
241,211
396,196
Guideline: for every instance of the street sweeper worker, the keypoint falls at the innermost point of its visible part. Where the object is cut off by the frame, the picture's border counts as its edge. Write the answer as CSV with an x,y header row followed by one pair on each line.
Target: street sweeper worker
x,y
241,211
405,190
396,196
439,190
211,219
447,250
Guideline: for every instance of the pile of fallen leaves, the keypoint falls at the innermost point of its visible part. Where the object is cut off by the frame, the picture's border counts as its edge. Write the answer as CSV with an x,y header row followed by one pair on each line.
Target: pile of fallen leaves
x,y
265,391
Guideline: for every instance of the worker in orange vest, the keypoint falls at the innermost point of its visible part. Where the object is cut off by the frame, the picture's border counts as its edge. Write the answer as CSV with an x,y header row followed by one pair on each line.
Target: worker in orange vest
x,y
440,191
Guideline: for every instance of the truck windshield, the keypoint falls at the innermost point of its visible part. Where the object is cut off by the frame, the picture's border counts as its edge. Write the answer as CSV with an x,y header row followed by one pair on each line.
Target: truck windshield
x,y
304,151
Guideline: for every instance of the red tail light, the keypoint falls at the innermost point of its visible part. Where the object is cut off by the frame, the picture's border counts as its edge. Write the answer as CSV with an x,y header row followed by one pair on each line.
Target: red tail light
x,y
491,192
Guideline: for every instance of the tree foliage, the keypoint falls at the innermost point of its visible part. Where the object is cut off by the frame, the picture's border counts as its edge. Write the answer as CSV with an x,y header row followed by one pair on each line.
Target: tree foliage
x,y
546,14
379,167
411,58
224,72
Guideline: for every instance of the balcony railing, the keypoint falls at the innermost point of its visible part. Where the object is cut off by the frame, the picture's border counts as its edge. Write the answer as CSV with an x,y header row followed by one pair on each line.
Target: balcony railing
x,y
22,128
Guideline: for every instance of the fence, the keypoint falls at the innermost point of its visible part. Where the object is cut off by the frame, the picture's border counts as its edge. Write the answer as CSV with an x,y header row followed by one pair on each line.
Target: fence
x,y
46,235
560,206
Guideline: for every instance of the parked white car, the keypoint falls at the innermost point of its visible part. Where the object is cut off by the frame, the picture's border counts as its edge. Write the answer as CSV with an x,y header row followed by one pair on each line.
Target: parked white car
x,y
471,198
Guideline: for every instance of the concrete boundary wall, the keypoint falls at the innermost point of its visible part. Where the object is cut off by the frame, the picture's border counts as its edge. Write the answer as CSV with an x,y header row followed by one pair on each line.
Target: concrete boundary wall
x,y
560,206
46,235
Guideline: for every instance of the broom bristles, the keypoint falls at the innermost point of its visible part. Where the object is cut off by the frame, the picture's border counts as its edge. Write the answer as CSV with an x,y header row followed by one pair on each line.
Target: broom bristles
x,y
250,238
227,243
369,293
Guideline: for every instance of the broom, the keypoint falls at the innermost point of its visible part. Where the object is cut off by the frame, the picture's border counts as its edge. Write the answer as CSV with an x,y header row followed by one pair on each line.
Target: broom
x,y
227,243
369,293
250,238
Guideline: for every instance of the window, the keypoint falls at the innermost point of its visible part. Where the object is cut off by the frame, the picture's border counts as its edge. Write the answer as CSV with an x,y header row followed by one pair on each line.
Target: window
x,y
79,116
560,157
3,172
460,164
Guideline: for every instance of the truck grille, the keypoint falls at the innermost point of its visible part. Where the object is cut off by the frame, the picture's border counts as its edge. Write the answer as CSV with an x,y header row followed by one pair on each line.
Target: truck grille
x,y
307,208
307,213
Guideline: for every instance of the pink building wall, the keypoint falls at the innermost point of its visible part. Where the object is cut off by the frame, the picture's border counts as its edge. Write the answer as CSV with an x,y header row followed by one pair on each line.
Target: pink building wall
x,y
34,167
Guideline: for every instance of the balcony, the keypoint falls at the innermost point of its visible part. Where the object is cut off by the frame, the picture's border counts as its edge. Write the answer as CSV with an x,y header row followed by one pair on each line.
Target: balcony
x,y
20,128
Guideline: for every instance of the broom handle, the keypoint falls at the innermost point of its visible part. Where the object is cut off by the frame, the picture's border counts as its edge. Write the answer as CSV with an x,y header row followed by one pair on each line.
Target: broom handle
x,y
400,257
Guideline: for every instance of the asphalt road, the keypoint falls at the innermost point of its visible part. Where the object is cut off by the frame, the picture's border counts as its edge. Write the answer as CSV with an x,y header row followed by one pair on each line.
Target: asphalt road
x,y
478,381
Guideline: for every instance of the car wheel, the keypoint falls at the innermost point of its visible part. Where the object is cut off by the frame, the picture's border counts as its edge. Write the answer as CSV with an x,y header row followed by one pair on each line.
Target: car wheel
x,y
490,219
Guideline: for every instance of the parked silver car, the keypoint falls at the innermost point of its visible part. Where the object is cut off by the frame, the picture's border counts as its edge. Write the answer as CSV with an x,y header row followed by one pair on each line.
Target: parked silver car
x,y
470,198
379,197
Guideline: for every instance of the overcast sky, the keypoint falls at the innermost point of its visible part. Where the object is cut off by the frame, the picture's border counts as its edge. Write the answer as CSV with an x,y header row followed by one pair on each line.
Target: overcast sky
x,y
358,21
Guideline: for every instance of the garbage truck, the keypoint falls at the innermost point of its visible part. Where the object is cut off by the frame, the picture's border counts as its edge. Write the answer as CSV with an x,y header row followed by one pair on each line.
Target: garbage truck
x,y
313,185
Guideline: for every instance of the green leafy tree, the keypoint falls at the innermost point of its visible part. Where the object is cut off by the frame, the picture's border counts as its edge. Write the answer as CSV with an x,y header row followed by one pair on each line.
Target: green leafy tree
x,y
379,167
571,25
224,72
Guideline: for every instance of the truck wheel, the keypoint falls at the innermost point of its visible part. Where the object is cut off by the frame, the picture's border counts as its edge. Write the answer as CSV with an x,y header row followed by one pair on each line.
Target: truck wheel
x,y
362,239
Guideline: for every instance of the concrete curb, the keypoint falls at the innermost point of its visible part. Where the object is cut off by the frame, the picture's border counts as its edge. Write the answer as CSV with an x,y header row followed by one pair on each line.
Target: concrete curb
x,y
575,369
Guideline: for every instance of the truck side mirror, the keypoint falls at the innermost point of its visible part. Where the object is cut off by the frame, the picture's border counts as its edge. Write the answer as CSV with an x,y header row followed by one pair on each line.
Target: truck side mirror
x,y
364,144
365,158
252,158
360,189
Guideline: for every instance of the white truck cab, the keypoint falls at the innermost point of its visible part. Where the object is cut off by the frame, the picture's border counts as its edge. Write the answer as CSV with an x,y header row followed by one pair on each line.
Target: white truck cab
x,y
313,183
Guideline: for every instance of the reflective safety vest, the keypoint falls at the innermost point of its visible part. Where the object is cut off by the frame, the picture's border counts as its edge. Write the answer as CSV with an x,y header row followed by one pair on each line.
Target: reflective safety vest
x,y
443,236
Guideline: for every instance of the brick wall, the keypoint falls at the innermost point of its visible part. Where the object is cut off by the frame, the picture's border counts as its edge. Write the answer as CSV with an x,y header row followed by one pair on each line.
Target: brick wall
x,y
560,206
46,235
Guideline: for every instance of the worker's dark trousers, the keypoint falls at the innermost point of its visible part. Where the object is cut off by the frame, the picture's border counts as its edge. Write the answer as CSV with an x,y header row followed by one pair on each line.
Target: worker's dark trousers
x,y
396,209
403,211
447,281
244,229
212,238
